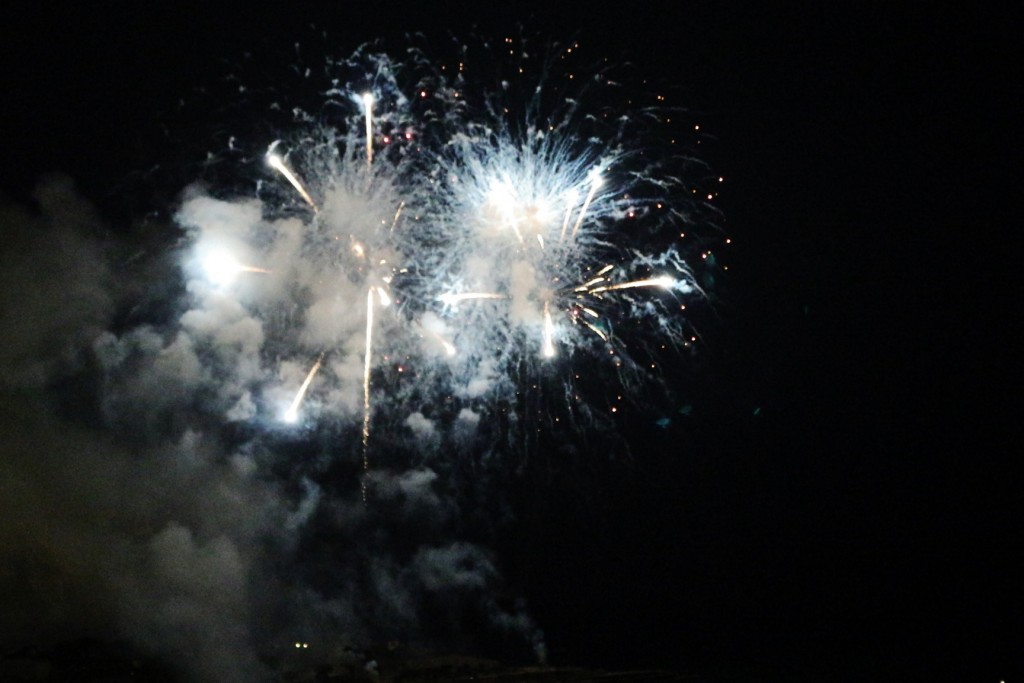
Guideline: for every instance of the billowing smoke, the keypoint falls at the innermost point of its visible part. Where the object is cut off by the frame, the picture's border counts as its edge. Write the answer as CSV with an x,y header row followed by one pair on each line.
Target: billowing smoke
x,y
137,501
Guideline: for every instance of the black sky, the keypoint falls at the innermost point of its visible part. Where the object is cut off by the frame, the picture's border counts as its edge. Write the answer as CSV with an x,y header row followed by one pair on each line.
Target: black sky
x,y
841,498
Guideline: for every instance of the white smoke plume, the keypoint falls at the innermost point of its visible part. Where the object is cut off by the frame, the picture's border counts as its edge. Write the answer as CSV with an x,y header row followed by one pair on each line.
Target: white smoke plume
x,y
135,504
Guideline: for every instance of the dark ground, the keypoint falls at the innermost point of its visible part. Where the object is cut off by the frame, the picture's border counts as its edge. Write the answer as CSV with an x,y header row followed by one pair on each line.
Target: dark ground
x,y
841,500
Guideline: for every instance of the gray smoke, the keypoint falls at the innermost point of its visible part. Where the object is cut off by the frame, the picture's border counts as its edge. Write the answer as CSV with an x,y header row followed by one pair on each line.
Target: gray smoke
x,y
141,499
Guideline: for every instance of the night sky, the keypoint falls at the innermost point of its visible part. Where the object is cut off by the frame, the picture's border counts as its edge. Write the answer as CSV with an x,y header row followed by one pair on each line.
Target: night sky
x,y
838,497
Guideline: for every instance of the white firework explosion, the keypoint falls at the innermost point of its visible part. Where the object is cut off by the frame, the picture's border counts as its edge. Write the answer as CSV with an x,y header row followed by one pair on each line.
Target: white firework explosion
x,y
438,251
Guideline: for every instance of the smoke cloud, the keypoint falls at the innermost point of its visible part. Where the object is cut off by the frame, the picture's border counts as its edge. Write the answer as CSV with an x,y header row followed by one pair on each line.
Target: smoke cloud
x,y
139,501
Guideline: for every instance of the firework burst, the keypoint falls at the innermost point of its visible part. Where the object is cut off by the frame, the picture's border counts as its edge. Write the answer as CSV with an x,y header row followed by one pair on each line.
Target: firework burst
x,y
428,243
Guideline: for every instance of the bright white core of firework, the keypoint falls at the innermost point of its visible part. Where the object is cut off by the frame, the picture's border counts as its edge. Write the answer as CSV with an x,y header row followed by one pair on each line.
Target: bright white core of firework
x,y
496,249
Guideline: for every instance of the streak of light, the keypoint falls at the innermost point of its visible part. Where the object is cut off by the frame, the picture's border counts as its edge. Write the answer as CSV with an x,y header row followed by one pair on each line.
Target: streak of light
x,y
450,299
586,285
277,163
368,108
449,348
596,330
397,214
664,281
292,414
595,182
515,229
570,203
548,348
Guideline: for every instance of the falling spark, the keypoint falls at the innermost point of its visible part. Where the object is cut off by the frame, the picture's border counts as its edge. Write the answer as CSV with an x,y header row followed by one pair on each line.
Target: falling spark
x,y
451,299
448,347
549,332
397,214
570,203
291,415
368,108
586,285
596,330
595,182
664,281
277,163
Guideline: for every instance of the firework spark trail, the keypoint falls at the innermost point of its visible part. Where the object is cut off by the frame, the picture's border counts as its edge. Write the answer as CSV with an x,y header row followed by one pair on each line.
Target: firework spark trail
x,y
549,332
596,330
398,214
663,281
292,414
278,164
595,182
469,296
368,107
449,348
570,203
